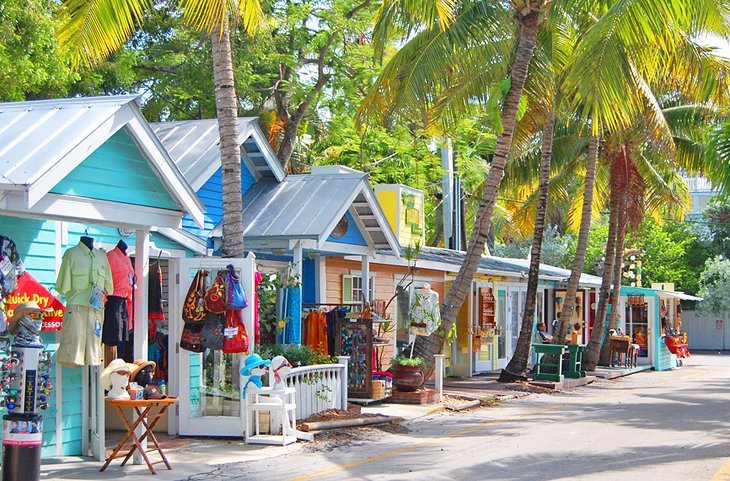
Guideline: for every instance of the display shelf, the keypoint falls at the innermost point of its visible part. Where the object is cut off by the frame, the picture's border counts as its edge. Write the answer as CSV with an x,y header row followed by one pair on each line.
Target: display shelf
x,y
354,338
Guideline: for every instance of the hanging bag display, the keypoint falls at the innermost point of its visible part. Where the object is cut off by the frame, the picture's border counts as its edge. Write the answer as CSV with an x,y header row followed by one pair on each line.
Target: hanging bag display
x,y
193,308
235,338
235,295
215,296
212,334
190,339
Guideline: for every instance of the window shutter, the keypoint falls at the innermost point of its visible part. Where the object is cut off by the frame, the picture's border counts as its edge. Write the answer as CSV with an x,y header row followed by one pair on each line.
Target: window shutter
x,y
346,289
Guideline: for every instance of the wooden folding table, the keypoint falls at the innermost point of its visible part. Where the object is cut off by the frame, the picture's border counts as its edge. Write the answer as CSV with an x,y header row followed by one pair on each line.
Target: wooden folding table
x,y
147,419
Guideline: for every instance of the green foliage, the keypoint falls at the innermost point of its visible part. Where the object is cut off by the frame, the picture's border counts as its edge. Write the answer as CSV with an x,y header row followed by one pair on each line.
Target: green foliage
x,y
297,355
404,360
715,286
555,248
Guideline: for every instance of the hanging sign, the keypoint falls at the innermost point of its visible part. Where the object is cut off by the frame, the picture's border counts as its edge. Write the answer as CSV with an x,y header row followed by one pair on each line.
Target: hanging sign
x,y
30,289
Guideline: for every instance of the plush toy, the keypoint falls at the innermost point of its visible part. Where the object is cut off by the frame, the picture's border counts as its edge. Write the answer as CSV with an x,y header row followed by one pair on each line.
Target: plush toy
x,y
254,367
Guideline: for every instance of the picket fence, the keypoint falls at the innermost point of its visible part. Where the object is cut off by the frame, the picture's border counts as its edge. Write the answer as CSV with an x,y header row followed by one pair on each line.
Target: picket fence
x,y
319,387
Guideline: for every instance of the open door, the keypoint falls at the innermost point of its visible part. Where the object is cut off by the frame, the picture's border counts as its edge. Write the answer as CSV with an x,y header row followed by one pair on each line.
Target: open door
x,y
208,383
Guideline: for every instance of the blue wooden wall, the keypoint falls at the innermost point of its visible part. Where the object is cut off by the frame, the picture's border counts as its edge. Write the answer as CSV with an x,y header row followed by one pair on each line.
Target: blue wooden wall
x,y
211,195
353,235
117,171
309,280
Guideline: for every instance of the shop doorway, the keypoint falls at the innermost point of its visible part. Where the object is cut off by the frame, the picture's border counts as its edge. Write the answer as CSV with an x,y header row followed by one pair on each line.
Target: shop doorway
x,y
484,327
208,383
637,325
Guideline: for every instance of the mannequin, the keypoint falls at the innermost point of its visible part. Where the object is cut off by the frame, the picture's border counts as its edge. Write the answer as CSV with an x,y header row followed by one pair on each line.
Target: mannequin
x,y
116,310
84,278
115,378
26,325
253,368
88,242
424,313
122,246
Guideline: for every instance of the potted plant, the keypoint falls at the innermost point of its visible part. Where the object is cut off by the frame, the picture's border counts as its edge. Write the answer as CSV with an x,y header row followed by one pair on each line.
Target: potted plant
x,y
407,374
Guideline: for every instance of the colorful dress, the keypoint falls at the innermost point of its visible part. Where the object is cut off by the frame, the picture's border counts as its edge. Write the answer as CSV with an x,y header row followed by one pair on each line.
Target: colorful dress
x,y
424,314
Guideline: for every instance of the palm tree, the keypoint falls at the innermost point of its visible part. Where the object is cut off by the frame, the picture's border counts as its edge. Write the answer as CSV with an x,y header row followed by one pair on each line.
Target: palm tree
x,y
93,30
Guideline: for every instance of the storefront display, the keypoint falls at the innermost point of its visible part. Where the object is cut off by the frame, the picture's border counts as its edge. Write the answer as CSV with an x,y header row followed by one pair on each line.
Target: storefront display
x,y
484,331
84,278
424,313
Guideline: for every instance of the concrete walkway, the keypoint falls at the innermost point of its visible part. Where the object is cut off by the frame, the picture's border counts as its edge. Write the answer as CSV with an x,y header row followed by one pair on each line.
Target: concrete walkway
x,y
192,456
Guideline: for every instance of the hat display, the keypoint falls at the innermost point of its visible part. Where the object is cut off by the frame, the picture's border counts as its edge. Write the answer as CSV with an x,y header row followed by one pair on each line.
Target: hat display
x,y
114,366
28,307
140,364
253,361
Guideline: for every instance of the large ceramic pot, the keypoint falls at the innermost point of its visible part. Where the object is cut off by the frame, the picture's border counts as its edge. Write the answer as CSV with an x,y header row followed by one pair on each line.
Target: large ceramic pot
x,y
407,378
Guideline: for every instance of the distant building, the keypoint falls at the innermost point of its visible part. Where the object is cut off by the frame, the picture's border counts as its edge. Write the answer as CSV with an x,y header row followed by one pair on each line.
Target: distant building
x,y
701,190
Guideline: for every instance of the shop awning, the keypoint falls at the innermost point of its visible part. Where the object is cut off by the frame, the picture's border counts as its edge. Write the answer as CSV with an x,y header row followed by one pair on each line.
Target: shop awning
x,y
681,295
93,159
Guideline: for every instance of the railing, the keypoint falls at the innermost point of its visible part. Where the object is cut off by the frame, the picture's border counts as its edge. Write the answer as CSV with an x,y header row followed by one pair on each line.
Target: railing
x,y
319,387
698,184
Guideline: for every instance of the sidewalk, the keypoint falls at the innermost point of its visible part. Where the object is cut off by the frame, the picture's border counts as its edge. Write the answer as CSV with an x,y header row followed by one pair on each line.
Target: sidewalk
x,y
190,456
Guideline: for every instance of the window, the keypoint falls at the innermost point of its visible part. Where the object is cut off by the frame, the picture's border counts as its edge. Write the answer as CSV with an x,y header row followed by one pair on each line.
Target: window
x,y
352,289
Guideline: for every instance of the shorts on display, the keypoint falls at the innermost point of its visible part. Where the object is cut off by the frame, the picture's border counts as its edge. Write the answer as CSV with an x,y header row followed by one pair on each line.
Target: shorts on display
x,y
80,346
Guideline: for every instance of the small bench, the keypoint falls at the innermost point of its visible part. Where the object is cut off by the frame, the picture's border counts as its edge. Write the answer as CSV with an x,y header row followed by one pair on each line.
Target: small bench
x,y
575,362
544,353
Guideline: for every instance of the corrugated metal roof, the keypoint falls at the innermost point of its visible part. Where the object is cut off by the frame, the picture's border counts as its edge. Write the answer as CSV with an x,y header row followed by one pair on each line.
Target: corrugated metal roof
x,y
35,135
308,207
520,267
194,146
42,141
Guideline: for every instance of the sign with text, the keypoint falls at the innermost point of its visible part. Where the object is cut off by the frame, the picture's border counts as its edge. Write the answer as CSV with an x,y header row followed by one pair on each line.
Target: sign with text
x,y
30,289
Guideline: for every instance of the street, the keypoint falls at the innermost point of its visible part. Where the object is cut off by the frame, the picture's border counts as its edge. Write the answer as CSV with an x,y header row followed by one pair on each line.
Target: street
x,y
649,426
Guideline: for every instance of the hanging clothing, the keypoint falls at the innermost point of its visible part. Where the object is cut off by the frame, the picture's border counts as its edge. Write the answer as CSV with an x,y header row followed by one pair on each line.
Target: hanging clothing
x,y
424,313
257,279
317,339
291,310
82,269
116,321
11,267
80,343
155,310
122,272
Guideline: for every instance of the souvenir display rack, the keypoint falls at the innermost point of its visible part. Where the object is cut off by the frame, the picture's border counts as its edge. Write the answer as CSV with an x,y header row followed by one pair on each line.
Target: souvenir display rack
x,y
354,338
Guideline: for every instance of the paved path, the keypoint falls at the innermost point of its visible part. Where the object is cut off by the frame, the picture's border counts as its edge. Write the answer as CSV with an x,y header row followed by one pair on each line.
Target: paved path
x,y
650,426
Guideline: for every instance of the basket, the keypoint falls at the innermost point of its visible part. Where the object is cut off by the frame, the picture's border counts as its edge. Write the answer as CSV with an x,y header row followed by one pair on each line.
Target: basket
x,y
378,388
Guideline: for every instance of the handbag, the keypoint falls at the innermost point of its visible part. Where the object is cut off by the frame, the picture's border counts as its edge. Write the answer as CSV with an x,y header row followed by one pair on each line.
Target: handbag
x,y
190,339
215,297
212,334
235,338
193,308
235,295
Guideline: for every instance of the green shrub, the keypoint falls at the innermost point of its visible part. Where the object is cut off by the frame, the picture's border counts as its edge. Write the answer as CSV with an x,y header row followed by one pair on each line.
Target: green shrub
x,y
297,355
408,361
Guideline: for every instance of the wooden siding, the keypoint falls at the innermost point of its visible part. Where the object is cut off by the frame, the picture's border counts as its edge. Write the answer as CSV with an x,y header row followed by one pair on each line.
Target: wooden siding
x,y
211,195
117,171
353,235
386,279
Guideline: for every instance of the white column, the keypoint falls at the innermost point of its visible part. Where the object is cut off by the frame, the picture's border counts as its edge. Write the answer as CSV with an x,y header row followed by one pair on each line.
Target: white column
x,y
366,278
343,381
439,374
141,267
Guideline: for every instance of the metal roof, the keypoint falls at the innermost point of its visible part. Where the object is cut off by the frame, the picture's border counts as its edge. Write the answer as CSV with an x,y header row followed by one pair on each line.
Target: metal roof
x,y
42,141
194,146
309,206
500,265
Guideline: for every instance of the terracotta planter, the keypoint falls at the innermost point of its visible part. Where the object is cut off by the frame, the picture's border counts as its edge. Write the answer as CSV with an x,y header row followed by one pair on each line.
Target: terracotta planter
x,y
407,378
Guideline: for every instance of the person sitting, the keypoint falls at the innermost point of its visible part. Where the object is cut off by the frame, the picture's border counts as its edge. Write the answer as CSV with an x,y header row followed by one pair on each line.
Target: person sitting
x,y
543,337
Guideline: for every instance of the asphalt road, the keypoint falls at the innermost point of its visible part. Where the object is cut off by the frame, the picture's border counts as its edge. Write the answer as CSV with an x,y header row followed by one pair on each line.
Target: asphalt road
x,y
650,426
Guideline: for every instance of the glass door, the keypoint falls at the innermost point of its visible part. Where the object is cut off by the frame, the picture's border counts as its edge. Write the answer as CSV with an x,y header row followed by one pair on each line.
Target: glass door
x,y
209,382
501,331
637,324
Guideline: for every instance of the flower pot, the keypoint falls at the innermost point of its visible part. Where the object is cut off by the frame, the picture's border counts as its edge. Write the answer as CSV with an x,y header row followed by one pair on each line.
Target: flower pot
x,y
407,378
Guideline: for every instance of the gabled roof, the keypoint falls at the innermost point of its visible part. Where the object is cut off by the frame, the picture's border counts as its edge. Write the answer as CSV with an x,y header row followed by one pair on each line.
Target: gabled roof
x,y
309,206
194,146
41,142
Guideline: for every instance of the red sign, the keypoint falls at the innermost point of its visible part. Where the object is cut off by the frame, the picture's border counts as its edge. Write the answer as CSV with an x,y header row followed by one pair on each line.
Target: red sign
x,y
30,289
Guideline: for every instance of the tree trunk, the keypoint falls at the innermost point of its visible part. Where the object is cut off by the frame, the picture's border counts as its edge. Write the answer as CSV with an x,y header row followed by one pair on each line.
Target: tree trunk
x,y
517,366
428,346
566,314
617,271
593,350
227,112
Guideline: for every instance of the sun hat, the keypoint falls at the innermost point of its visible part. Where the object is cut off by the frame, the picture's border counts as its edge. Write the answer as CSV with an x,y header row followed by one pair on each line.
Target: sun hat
x,y
114,366
253,361
21,310
140,364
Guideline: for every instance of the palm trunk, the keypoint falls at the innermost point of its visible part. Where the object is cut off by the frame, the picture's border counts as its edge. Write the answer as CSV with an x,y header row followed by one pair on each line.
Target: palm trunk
x,y
593,350
566,314
617,270
517,366
427,347
227,112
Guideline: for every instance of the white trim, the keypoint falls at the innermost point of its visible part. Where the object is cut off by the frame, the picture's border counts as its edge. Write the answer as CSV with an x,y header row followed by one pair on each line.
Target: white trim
x,y
362,227
184,238
344,249
266,150
302,243
102,212
382,220
321,276
345,206
59,402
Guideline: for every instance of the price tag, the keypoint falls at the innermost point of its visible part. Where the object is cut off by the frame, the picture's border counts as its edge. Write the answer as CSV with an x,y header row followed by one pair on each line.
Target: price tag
x,y
230,332
96,299
5,266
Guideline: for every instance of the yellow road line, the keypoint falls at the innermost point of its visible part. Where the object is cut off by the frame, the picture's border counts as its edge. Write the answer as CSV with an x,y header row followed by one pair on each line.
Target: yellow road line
x,y
483,425
722,474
